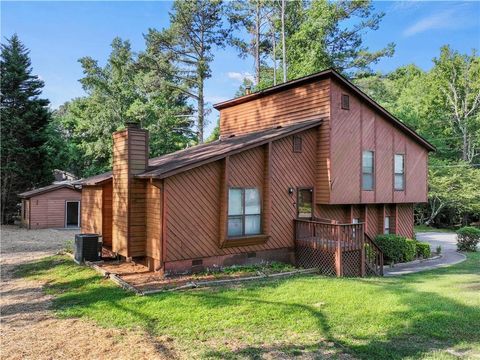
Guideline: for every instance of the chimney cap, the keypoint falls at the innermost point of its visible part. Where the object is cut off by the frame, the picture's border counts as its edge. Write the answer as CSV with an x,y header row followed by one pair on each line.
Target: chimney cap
x,y
248,90
132,125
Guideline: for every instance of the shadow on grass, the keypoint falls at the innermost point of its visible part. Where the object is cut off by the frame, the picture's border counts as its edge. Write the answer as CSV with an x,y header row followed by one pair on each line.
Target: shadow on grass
x,y
432,322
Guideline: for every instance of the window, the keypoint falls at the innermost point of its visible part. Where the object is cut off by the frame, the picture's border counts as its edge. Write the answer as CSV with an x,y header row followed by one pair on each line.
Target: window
x,y
386,225
355,221
399,172
297,144
345,102
304,203
367,170
243,212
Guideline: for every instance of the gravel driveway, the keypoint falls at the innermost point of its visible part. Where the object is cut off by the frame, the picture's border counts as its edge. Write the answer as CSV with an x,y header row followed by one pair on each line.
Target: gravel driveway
x,y
29,330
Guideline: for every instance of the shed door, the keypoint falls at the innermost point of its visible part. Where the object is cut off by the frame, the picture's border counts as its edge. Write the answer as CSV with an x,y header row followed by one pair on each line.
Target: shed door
x,y
73,213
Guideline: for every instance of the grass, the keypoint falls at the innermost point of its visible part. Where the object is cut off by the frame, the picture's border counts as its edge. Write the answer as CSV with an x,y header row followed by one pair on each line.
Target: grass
x,y
433,314
426,228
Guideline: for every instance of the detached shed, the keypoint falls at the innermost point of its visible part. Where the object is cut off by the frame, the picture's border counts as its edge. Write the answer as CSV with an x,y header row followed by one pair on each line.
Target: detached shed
x,y
54,206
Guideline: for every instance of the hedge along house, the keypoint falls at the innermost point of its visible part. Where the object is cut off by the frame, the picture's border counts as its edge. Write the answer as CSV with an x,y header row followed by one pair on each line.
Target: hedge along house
x,y
307,171
53,206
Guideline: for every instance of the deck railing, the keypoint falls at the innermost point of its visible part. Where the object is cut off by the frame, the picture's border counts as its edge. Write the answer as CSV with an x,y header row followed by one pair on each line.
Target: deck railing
x,y
339,249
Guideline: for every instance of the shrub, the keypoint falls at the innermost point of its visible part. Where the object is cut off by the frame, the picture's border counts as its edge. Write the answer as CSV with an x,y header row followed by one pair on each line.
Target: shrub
x,y
392,246
468,238
423,250
410,250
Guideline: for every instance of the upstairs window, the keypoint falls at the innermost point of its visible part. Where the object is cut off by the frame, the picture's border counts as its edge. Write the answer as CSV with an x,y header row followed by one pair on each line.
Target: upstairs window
x,y
345,102
399,172
244,212
367,170
297,144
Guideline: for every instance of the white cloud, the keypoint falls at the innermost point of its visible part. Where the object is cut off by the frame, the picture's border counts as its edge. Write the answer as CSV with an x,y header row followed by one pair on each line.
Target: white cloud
x,y
237,76
442,20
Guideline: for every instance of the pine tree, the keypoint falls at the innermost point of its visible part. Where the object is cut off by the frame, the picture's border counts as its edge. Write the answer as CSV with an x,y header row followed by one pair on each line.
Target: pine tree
x,y
24,118
196,27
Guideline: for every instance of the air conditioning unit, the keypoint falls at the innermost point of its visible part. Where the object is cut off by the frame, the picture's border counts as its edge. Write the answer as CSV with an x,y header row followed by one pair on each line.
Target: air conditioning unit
x,y
88,247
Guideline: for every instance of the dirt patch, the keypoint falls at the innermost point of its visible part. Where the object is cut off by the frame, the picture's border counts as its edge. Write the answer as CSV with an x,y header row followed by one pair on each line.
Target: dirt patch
x,y
29,329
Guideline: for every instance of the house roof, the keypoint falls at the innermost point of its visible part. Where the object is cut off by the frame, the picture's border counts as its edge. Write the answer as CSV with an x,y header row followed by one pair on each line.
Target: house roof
x,y
173,163
95,180
329,73
176,162
46,189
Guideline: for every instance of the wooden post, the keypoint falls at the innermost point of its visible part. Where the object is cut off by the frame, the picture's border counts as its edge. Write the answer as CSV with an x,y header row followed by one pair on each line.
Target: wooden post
x,y
338,254
362,250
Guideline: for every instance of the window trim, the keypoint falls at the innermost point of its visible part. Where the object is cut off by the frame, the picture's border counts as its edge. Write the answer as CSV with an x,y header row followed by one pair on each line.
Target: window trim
x,y
243,215
373,170
402,173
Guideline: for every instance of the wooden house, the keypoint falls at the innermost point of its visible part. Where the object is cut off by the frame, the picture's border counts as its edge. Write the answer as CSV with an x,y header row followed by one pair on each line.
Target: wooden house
x,y
52,206
308,171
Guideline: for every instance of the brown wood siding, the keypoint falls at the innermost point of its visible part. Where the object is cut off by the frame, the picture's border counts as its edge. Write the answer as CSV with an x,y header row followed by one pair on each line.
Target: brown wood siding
x,y
358,129
193,199
405,220
130,157
92,205
340,213
120,195
301,103
153,216
372,226
107,214
47,210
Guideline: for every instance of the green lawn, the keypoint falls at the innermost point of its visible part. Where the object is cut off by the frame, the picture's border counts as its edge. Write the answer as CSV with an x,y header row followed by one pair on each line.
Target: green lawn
x,y
425,228
433,314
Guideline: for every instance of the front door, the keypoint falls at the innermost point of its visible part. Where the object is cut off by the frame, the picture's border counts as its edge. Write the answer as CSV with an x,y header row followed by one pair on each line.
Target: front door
x,y
305,203
72,217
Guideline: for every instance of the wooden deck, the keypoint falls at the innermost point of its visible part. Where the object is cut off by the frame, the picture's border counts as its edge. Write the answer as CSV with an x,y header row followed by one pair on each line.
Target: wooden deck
x,y
336,249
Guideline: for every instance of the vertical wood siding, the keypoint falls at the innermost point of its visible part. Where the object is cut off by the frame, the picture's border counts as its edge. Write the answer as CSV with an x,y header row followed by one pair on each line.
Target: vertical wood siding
x,y
120,195
301,103
48,210
107,214
358,129
92,210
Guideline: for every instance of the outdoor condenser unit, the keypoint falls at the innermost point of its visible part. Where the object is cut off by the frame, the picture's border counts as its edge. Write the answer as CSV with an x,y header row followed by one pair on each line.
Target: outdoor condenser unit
x,y
87,248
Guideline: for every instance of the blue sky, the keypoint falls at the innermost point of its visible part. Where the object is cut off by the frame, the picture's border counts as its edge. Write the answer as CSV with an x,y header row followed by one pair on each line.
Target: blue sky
x,y
59,33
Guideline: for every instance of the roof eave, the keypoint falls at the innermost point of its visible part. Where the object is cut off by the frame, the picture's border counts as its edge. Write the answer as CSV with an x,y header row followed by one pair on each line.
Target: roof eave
x,y
193,165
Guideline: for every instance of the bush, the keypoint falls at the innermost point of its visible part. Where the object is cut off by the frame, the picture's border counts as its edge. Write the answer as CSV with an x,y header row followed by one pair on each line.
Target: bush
x,y
468,238
392,246
423,250
410,250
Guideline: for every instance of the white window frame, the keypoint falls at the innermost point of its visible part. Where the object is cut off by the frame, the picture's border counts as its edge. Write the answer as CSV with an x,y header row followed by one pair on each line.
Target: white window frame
x,y
402,173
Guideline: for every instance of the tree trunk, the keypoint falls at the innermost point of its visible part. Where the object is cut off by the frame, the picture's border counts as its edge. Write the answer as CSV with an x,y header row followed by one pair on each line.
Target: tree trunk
x,y
274,58
257,43
284,52
201,112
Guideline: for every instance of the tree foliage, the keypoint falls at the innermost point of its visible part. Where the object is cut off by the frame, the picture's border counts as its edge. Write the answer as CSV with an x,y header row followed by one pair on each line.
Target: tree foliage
x,y
25,117
126,89
184,51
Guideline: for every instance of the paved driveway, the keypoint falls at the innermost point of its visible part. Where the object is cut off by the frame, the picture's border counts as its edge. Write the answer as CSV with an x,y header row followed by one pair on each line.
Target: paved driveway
x,y
449,255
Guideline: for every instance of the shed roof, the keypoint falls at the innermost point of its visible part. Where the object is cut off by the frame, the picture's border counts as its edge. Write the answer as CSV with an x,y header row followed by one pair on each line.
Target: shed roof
x,y
46,189
329,73
173,163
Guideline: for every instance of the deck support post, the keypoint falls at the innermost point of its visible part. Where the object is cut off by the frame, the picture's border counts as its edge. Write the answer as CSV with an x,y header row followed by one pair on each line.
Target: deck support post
x,y
338,254
362,251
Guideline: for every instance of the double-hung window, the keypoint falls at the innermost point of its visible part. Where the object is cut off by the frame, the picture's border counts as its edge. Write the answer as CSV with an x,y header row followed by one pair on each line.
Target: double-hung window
x,y
367,170
244,212
399,165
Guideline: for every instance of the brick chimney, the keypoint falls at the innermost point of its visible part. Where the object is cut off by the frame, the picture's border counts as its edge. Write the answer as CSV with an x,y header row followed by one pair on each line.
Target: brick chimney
x,y
130,157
